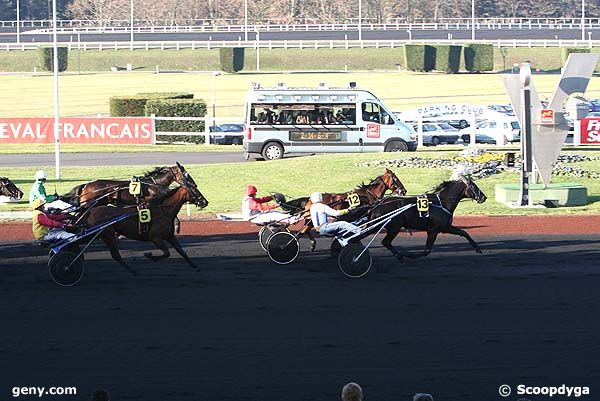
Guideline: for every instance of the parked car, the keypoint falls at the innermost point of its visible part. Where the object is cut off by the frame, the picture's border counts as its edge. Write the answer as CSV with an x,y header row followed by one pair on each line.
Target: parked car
x,y
502,108
479,138
436,133
594,105
507,126
227,134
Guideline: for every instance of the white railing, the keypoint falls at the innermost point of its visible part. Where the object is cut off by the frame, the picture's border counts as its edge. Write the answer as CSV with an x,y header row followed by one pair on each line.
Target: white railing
x,y
208,122
302,23
294,44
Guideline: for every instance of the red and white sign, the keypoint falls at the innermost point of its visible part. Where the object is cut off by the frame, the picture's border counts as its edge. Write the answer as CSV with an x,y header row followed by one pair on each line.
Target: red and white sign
x,y
590,131
547,116
373,131
113,130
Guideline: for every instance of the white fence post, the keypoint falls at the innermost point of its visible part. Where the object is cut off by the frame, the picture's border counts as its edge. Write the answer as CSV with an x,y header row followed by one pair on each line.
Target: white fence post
x,y
207,129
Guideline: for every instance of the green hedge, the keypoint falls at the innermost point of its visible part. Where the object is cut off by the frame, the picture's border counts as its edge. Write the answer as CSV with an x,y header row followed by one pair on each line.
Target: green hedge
x,y
177,108
419,57
447,58
134,106
232,59
565,51
180,138
479,57
47,61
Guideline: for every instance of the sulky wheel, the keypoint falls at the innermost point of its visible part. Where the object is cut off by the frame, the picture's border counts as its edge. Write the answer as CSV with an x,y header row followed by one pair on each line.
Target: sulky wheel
x,y
65,268
283,248
336,247
353,262
266,231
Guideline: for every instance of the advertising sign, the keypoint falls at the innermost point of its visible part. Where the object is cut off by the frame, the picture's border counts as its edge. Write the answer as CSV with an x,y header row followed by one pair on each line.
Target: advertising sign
x,y
373,131
590,131
113,130
547,116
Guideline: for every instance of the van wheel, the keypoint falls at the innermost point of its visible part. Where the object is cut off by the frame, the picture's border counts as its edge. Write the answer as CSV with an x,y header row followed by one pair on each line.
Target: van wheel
x,y
396,146
272,151
435,141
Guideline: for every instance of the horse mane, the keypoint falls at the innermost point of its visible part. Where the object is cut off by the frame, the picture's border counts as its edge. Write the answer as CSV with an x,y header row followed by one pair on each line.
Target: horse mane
x,y
156,171
362,185
443,185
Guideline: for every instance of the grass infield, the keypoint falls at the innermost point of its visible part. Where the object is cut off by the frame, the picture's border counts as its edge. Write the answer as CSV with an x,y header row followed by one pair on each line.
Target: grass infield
x,y
223,184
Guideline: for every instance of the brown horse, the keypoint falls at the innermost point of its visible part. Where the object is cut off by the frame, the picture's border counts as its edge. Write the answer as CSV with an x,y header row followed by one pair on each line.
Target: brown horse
x,y
158,230
367,194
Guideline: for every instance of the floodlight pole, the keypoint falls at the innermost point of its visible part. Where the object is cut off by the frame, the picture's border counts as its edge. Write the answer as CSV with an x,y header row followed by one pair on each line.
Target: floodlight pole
x,y
245,20
18,21
526,159
131,22
472,19
582,19
56,109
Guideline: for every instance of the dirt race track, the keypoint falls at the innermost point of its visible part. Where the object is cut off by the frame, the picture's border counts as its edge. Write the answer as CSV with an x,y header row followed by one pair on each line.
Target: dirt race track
x,y
455,324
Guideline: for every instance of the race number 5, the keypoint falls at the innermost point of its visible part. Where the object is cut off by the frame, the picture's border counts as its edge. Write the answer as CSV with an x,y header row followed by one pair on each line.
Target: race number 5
x,y
353,200
422,204
135,187
145,216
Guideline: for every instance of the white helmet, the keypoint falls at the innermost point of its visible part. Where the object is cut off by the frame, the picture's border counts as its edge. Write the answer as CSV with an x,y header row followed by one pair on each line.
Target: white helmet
x,y
41,175
316,197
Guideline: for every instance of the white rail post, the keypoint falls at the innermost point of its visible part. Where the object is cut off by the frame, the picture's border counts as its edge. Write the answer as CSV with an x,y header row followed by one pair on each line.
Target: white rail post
x,y
420,131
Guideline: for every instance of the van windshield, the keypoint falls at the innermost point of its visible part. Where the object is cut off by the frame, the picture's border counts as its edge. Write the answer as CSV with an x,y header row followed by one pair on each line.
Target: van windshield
x,y
299,114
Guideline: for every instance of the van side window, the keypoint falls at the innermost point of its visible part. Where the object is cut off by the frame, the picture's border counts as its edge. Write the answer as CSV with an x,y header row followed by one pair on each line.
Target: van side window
x,y
386,118
371,112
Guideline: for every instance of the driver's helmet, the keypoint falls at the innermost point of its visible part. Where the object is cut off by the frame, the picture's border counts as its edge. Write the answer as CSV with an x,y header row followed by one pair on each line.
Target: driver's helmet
x,y
41,175
37,203
250,190
316,197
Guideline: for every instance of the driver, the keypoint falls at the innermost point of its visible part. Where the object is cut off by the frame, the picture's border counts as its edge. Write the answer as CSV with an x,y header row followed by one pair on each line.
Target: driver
x,y
258,211
38,191
320,213
48,227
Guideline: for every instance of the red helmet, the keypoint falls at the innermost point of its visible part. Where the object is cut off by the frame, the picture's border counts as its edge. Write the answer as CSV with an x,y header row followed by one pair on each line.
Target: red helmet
x,y
250,190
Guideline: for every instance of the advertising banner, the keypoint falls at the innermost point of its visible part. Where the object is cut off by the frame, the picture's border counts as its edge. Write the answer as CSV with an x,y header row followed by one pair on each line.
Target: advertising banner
x,y
590,131
110,130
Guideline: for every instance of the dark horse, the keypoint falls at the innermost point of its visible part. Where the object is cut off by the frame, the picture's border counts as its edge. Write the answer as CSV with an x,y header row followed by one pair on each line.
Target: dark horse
x,y
442,203
8,188
367,193
159,229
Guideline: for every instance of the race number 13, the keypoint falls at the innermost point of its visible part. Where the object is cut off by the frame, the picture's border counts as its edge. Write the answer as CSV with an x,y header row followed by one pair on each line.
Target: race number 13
x,y
145,216
422,204
135,187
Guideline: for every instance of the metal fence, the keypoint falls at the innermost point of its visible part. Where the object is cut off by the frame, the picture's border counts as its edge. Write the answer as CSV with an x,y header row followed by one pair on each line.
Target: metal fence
x,y
292,44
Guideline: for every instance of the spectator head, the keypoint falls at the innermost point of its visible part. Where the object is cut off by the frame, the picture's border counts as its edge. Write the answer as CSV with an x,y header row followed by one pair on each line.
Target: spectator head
x,y
423,397
100,395
352,392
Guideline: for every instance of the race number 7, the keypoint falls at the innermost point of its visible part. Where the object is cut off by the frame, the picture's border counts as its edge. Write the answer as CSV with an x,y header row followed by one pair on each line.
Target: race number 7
x,y
135,187
145,216
353,200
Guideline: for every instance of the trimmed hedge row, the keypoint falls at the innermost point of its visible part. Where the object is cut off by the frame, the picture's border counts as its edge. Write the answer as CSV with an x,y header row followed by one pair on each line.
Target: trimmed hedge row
x,y
419,57
47,58
446,58
565,51
177,108
134,106
479,57
180,138
231,58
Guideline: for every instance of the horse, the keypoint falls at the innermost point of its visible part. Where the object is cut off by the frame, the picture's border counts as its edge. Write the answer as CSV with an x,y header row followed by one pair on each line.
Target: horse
x,y
154,184
161,227
8,188
366,194
442,202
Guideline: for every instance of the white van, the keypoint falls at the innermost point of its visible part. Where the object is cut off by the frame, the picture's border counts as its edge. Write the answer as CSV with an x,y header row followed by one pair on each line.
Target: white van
x,y
321,120
504,129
